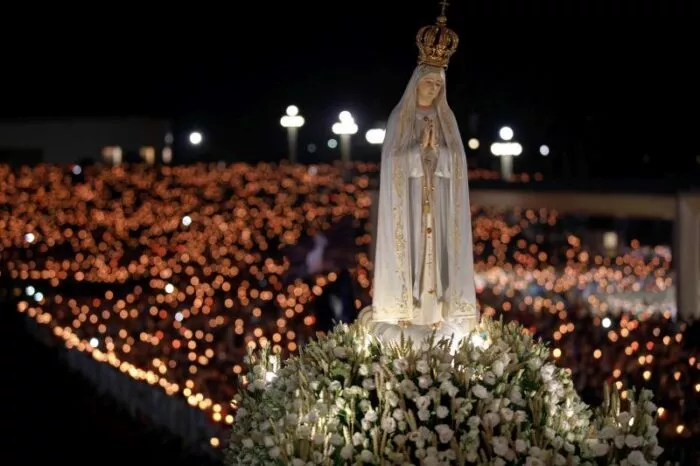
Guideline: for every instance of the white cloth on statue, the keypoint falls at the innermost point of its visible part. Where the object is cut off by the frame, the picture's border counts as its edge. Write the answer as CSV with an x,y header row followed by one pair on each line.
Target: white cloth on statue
x,y
428,229
397,288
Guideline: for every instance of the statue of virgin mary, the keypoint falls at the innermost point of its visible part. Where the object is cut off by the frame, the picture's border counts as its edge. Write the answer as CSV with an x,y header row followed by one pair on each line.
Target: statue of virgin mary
x,y
424,265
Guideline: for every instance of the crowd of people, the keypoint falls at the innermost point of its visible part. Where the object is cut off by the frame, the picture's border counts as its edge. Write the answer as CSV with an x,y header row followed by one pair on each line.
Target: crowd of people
x,y
172,274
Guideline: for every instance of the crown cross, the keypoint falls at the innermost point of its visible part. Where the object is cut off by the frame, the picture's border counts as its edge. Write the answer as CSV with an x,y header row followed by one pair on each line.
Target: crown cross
x,y
437,43
444,7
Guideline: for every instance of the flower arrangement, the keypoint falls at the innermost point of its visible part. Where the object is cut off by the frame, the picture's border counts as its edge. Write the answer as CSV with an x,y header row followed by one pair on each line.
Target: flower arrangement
x,y
348,399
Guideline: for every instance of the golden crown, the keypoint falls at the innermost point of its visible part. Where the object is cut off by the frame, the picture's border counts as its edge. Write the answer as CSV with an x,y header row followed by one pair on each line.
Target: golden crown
x,y
436,43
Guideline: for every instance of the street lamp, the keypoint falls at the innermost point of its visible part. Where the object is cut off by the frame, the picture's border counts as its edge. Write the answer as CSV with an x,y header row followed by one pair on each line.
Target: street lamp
x,y
506,150
375,135
345,128
292,121
196,138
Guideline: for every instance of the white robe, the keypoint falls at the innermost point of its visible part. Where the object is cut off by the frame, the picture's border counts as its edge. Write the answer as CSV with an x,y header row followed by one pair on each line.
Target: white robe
x,y
400,291
428,229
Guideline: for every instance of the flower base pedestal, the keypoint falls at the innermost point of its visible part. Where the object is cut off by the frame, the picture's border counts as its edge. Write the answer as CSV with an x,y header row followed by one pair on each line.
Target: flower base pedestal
x,y
494,398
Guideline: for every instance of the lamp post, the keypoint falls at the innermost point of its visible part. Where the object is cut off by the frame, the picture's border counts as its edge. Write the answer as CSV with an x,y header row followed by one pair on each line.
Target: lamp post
x,y
375,136
345,128
506,150
292,121
196,138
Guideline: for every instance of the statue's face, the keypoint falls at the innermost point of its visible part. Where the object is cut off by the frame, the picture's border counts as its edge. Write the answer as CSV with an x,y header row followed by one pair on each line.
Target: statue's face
x,y
428,88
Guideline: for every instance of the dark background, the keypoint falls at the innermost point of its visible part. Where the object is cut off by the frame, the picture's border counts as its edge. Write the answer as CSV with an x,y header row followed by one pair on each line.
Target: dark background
x,y
609,81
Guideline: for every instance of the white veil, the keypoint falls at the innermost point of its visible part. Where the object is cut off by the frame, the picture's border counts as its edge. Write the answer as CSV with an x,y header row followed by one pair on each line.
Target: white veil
x,y
392,292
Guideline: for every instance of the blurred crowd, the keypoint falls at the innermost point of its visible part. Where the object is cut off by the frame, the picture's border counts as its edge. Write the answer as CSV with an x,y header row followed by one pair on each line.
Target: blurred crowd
x,y
171,274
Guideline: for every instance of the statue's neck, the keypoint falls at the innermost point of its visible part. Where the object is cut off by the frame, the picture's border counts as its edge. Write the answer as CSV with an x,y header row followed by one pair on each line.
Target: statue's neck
x,y
422,111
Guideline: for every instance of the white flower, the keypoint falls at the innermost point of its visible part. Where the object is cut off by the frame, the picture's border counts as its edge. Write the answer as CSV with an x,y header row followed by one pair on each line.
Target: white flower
x,y
636,458
444,432
474,422
400,365
423,414
601,449
371,416
422,366
423,402
500,445
632,441
340,352
480,391
425,381
388,425
366,456
547,372
491,419
650,407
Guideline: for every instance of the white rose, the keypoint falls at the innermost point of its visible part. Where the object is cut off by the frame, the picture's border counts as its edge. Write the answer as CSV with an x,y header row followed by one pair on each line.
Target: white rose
x,y
425,381
337,439
422,366
489,378
498,368
500,445
480,391
491,419
649,407
388,425
445,434
422,402
357,439
346,452
619,441
600,449
547,372
632,441
636,458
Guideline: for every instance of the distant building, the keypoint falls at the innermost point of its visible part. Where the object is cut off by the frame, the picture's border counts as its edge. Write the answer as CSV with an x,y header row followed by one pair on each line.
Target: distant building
x,y
107,140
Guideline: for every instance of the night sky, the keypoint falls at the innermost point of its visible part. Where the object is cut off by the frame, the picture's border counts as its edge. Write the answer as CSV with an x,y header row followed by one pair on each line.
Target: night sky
x,y
596,77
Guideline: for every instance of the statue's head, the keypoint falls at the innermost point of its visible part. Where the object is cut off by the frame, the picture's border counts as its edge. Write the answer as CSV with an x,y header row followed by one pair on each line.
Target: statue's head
x,y
436,45
430,85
